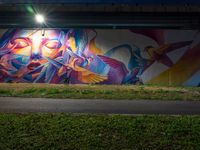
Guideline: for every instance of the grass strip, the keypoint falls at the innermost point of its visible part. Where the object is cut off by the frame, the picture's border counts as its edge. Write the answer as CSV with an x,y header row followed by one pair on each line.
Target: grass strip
x,y
69,131
100,91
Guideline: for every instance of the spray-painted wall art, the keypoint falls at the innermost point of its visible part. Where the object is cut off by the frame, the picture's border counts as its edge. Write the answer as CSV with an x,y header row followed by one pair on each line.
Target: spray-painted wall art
x,y
102,56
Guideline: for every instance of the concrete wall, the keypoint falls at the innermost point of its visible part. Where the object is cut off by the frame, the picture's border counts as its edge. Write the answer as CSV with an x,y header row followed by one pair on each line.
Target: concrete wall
x,y
101,56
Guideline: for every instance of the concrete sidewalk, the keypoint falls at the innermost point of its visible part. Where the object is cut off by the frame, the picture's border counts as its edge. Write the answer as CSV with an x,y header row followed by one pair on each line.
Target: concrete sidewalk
x,y
19,105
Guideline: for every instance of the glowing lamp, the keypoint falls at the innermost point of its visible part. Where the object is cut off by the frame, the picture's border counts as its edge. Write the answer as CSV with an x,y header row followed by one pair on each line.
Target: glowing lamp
x,y
39,18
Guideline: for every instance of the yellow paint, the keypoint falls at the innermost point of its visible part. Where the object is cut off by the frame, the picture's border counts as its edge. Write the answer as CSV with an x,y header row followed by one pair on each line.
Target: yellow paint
x,y
72,44
187,66
93,48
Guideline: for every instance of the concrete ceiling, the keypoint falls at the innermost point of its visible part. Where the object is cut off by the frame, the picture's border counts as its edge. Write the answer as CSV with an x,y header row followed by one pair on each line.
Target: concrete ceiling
x,y
18,14
142,2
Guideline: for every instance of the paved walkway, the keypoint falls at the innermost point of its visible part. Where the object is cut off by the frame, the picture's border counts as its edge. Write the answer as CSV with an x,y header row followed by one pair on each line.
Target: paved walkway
x,y
19,105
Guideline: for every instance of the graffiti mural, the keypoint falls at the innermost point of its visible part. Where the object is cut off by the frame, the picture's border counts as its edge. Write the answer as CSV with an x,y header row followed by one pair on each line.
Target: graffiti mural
x,y
89,56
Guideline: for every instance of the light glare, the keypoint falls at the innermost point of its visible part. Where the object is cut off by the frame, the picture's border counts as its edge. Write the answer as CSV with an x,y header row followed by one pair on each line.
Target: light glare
x,y
39,18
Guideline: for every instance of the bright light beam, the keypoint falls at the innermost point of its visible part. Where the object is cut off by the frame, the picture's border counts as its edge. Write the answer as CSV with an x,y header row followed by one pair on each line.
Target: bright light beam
x,y
39,18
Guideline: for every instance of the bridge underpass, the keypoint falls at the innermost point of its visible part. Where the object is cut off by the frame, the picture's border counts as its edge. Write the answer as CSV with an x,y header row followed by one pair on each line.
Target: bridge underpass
x,y
145,40
101,14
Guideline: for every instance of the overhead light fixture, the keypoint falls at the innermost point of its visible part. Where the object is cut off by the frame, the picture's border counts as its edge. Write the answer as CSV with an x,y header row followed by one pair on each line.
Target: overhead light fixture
x,y
39,18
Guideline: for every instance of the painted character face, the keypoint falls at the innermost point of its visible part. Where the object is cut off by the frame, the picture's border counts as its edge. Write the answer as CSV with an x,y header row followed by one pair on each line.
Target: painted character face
x,y
36,45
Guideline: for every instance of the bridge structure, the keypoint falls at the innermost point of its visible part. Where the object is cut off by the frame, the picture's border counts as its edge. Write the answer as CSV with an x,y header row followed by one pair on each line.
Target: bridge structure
x,y
173,14
101,41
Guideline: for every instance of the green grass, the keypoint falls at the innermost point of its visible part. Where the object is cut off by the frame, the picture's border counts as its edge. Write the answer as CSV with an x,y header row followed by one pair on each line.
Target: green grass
x,y
68,131
100,91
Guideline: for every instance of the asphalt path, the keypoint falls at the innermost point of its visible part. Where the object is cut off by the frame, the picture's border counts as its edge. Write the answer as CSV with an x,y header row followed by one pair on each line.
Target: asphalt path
x,y
24,105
